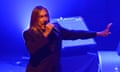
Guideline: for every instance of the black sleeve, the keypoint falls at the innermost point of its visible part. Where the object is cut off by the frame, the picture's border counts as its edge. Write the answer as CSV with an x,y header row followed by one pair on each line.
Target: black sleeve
x,y
76,34
33,41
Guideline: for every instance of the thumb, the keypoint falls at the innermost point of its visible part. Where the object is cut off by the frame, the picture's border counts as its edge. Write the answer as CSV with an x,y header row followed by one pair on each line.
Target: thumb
x,y
108,27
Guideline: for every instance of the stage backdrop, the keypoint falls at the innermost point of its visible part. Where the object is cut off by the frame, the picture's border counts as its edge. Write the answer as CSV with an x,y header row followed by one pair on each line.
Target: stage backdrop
x,y
15,17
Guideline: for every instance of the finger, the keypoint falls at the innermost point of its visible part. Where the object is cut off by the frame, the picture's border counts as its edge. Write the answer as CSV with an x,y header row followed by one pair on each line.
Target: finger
x,y
109,25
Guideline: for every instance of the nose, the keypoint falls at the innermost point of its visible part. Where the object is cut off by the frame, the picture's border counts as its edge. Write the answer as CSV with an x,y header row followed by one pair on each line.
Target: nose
x,y
45,19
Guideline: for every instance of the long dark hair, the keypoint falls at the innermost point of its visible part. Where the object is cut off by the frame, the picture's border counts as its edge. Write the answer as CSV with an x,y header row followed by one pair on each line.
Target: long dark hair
x,y
34,17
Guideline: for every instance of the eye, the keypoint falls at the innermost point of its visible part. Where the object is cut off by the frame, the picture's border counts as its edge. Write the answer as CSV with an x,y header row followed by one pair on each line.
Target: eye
x,y
41,16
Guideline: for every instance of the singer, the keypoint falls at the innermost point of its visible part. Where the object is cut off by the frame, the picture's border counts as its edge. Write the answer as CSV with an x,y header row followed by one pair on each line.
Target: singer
x,y
43,41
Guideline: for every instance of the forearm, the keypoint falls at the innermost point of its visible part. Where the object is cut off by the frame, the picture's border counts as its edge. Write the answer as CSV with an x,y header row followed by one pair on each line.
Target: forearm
x,y
86,34
79,34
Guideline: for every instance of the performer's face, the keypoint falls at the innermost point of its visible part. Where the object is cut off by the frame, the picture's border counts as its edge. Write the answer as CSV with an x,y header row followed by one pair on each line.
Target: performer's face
x,y
42,17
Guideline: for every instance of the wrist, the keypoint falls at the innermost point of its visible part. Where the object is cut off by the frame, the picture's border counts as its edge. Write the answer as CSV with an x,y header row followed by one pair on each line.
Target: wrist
x,y
98,33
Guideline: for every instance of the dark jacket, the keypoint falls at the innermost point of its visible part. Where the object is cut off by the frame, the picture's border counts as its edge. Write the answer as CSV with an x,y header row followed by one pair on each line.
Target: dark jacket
x,y
45,52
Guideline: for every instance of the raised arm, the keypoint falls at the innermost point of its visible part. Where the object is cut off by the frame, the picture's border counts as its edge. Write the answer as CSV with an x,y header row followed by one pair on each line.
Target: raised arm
x,y
76,34
81,34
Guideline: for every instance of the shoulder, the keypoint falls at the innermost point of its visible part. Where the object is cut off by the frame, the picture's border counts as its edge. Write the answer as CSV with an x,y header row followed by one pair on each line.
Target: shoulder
x,y
31,33
57,25
27,32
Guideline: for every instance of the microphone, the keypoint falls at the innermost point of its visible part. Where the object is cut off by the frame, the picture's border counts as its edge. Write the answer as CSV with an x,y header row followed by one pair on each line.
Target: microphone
x,y
54,28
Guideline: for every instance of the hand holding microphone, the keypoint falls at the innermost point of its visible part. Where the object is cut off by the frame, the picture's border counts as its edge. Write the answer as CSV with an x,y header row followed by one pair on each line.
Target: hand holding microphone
x,y
49,28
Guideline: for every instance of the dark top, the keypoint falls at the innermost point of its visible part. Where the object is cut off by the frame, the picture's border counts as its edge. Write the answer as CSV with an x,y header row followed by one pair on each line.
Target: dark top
x,y
45,52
